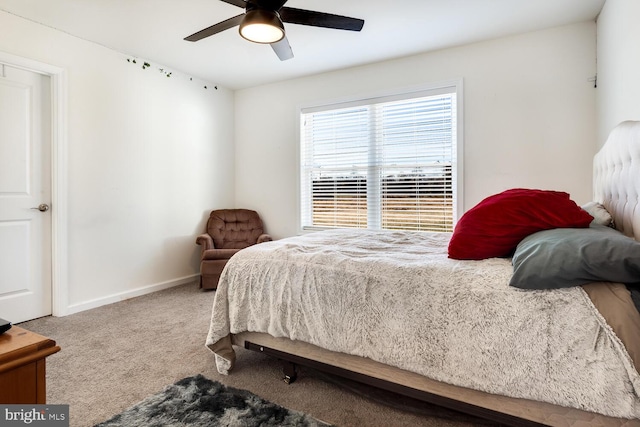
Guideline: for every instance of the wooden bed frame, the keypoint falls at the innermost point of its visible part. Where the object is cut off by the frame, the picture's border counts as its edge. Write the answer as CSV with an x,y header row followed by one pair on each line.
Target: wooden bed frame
x,y
505,410
617,187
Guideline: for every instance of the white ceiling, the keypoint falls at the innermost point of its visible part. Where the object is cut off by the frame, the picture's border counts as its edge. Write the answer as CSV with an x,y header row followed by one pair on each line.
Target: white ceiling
x,y
153,30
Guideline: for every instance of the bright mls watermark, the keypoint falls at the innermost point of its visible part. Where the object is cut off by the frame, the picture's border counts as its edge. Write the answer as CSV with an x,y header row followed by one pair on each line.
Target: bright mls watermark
x,y
34,415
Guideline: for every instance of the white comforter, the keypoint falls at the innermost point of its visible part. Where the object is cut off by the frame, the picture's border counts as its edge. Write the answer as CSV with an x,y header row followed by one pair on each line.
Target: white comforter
x,y
395,297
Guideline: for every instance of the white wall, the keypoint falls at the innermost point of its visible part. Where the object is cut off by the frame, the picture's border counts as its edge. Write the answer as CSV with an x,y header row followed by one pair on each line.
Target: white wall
x,y
148,157
529,118
618,65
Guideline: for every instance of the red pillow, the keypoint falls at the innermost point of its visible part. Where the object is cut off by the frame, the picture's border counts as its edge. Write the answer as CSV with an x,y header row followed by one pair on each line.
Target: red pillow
x,y
495,226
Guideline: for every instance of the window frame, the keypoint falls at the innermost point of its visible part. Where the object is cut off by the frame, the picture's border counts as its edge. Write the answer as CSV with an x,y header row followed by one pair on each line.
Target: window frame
x,y
447,86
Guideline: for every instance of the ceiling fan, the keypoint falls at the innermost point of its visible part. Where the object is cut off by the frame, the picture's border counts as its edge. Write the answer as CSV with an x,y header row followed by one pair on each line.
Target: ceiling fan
x,y
263,20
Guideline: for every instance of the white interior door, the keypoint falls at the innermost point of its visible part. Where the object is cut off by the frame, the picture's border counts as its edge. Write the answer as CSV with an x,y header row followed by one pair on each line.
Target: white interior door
x,y
25,184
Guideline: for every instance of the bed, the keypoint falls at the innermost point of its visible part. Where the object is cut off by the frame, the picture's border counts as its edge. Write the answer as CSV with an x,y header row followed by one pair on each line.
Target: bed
x,y
392,309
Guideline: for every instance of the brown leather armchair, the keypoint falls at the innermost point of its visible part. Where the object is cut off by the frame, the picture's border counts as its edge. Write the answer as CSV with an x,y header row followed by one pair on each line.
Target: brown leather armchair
x,y
228,231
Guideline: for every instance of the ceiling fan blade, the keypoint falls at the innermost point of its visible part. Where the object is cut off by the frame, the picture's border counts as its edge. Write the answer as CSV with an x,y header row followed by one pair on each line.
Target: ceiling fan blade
x,y
282,49
216,28
320,19
239,3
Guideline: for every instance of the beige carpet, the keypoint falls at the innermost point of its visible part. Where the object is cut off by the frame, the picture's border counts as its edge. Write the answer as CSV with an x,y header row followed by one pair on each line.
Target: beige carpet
x,y
116,355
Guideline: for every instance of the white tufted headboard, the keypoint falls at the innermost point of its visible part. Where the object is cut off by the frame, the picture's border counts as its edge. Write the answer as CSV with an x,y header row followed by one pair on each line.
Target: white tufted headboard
x,y
616,177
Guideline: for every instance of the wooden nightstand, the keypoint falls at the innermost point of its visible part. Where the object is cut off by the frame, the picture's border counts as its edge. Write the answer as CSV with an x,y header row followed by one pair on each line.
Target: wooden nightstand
x,y
22,366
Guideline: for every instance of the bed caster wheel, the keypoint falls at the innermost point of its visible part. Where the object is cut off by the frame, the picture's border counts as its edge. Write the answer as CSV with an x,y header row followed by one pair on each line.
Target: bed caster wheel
x,y
290,372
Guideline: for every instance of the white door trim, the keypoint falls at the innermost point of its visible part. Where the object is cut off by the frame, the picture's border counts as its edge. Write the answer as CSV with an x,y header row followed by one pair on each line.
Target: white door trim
x,y
59,183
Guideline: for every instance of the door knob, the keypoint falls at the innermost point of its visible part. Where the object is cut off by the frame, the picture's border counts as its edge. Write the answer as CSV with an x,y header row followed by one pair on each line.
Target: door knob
x,y
43,207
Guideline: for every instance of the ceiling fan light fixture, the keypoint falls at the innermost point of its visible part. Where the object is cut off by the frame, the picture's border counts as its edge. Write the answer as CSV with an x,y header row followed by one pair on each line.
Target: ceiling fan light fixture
x,y
262,26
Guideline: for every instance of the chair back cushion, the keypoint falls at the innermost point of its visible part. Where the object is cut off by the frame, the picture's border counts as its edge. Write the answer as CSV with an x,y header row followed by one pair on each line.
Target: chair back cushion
x,y
234,228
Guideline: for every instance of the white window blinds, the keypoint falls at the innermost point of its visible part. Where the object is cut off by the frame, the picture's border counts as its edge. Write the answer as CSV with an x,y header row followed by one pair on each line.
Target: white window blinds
x,y
384,163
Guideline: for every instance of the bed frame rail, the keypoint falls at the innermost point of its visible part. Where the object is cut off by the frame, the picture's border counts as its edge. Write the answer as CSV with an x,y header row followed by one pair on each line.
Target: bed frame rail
x,y
290,375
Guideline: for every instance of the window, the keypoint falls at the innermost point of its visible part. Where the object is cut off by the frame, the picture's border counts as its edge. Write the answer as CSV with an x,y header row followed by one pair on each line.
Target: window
x,y
382,163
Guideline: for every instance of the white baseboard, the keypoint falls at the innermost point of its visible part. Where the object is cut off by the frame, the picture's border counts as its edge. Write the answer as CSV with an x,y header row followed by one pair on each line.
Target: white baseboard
x,y
98,302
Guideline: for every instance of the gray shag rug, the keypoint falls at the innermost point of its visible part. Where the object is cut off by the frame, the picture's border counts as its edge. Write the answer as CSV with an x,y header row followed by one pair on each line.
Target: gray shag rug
x,y
198,401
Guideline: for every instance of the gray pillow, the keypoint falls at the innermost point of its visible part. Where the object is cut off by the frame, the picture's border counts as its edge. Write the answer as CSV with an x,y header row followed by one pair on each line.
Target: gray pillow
x,y
563,257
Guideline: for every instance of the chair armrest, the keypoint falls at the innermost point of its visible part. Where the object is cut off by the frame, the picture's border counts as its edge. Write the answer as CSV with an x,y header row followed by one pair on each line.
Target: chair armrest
x,y
264,238
206,241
